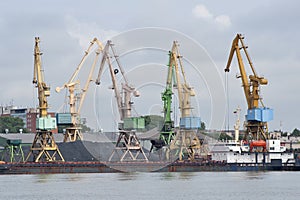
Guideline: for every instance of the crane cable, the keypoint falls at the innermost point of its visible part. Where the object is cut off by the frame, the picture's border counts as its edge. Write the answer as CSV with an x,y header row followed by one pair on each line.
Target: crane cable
x,y
227,100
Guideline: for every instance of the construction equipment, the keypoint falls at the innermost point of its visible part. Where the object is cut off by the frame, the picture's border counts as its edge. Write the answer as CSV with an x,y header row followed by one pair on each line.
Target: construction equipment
x,y
44,147
167,133
127,142
13,149
258,115
72,119
185,139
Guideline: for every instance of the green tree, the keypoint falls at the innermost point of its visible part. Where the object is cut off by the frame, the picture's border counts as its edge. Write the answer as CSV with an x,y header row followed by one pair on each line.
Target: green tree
x,y
296,132
203,126
224,136
85,128
13,124
284,134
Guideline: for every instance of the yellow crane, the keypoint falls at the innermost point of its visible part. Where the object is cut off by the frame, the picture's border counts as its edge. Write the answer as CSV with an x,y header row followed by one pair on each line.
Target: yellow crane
x,y
186,139
258,115
44,147
72,119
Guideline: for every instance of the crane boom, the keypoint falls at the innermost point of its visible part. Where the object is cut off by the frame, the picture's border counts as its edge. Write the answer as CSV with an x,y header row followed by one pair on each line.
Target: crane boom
x,y
38,80
167,95
90,77
123,101
252,96
75,74
185,92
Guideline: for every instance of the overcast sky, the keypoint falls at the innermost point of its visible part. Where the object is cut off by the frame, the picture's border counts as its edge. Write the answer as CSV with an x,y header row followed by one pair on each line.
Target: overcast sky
x,y
143,32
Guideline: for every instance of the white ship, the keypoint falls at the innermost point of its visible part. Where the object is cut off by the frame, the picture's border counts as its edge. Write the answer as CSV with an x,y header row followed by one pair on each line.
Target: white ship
x,y
257,152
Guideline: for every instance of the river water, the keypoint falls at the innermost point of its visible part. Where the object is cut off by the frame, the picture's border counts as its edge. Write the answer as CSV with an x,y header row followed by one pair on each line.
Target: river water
x,y
198,185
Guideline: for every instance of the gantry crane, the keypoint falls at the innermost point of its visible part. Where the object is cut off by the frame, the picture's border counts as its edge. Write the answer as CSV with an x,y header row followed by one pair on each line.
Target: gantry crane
x,y
127,142
73,131
43,147
185,139
258,115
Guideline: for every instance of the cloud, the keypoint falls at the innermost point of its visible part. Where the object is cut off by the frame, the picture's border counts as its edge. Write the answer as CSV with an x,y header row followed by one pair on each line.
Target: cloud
x,y
223,20
85,32
201,12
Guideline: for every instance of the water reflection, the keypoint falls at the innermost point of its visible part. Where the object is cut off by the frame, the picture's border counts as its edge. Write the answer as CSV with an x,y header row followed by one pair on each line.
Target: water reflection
x,y
167,176
44,178
186,175
177,175
127,176
254,175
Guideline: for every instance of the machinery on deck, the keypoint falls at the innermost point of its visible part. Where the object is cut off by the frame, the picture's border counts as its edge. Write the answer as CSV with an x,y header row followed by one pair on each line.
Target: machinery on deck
x,y
258,115
72,119
44,147
127,143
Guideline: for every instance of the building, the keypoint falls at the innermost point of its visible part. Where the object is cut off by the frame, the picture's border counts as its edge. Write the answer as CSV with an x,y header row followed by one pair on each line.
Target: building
x,y
28,115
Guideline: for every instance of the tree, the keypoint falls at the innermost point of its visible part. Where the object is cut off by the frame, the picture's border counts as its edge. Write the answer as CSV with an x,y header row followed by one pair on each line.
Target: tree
x,y
284,134
224,136
296,133
85,128
12,124
203,126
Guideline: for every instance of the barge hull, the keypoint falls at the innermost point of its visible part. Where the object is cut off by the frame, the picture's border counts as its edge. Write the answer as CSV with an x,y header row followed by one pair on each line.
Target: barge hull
x,y
119,167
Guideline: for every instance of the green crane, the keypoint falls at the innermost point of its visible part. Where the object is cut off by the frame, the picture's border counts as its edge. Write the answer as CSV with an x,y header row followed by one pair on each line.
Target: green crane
x,y
167,132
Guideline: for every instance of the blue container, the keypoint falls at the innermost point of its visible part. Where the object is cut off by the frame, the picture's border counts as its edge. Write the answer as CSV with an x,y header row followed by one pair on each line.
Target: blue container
x,y
254,114
190,122
267,115
260,114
